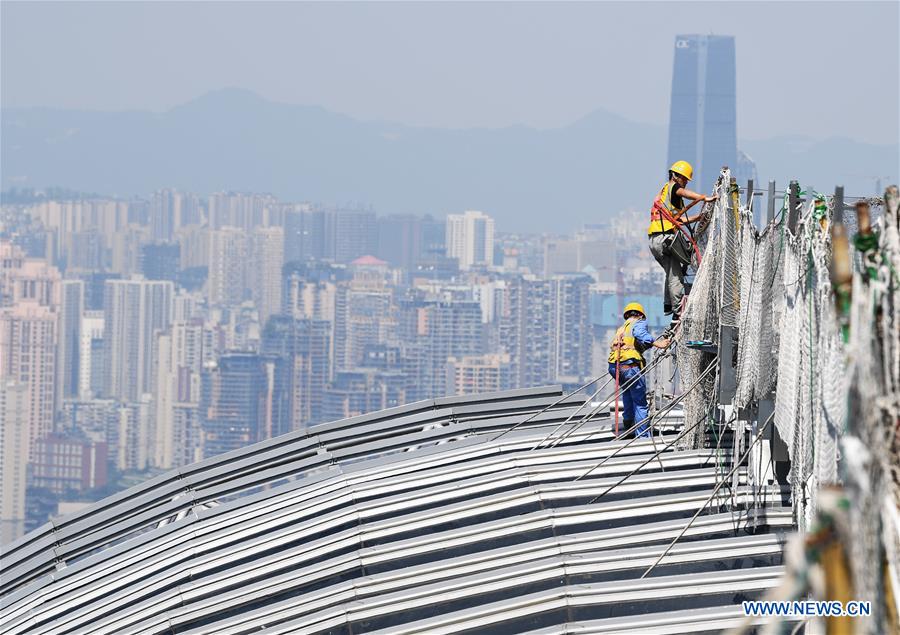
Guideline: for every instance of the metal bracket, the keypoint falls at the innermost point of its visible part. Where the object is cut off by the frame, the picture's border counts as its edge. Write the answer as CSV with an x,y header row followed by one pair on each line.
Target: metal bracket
x,y
839,205
727,371
703,345
793,206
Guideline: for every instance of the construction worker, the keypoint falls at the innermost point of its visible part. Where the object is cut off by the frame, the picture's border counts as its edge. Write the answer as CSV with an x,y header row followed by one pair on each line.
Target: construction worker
x,y
667,244
626,363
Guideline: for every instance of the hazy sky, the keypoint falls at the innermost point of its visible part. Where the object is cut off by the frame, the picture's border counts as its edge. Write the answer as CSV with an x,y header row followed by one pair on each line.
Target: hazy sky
x,y
813,68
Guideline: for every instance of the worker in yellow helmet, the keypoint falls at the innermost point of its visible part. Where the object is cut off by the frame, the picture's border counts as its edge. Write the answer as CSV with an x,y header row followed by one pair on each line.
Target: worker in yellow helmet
x,y
626,359
667,244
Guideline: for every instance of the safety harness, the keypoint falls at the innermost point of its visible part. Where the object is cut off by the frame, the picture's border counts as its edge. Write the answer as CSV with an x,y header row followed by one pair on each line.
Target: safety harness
x,y
661,215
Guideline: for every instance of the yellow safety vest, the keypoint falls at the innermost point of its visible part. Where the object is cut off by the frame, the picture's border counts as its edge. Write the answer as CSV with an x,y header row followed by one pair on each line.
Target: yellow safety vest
x,y
663,211
622,348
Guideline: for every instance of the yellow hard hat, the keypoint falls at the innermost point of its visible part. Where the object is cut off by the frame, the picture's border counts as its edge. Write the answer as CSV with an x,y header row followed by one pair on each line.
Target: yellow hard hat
x,y
683,168
633,306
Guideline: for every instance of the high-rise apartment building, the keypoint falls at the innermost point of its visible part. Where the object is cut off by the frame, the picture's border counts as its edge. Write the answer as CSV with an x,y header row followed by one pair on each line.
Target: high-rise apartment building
x,y
135,310
126,249
67,220
13,458
169,210
703,111
98,419
243,400
305,345
180,358
23,278
430,333
474,374
400,240
95,288
526,325
246,211
87,251
266,262
470,239
545,328
91,355
314,299
350,233
69,353
573,327
304,234
69,462
193,246
228,256
362,390
160,261
131,439
587,249
28,346
30,293
363,315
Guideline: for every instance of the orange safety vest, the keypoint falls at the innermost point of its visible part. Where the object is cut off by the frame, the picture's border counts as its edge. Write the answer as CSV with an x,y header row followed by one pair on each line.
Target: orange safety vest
x,y
622,348
663,214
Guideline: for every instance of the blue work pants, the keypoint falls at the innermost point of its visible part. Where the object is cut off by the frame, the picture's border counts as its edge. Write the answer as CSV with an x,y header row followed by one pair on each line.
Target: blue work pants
x,y
634,399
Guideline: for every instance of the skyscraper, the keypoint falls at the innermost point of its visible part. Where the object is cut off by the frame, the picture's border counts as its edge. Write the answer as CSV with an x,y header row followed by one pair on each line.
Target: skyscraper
x,y
470,238
134,310
703,118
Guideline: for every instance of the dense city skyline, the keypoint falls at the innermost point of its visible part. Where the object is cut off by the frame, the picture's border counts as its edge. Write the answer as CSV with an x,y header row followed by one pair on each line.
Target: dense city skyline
x,y
254,268
479,317
144,333
139,335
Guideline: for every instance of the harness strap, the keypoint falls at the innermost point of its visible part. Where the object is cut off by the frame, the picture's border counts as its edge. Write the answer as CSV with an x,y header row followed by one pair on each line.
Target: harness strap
x,y
679,226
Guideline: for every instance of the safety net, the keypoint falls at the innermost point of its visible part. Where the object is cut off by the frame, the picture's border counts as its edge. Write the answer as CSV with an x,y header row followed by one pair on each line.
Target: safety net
x,y
827,355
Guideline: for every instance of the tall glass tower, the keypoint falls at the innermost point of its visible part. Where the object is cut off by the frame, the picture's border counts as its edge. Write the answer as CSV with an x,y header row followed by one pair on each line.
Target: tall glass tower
x,y
702,119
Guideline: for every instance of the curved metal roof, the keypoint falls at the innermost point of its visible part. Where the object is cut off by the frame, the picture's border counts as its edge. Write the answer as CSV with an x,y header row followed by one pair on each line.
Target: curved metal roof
x,y
419,519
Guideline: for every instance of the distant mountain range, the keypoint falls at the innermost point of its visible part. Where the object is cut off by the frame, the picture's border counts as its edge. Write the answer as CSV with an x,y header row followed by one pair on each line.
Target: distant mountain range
x,y
547,180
